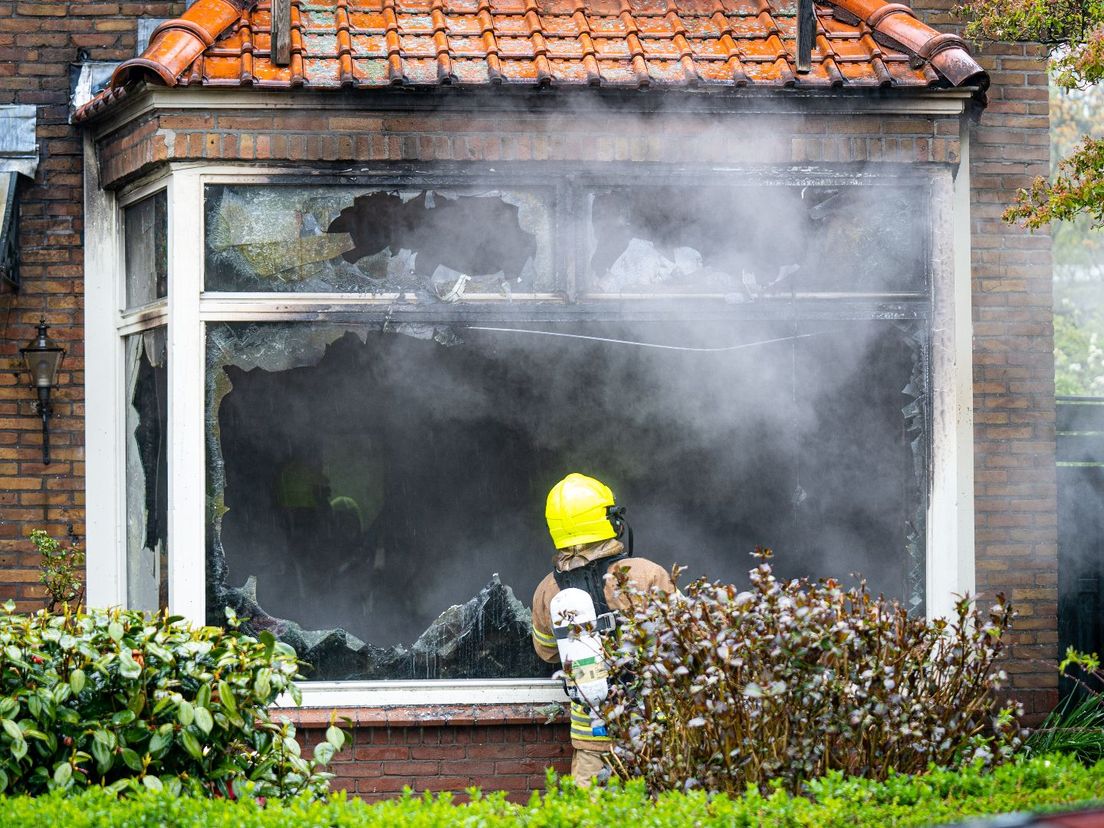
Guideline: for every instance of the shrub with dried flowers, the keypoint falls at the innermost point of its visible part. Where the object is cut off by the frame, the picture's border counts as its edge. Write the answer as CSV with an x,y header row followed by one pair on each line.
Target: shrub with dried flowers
x,y
721,689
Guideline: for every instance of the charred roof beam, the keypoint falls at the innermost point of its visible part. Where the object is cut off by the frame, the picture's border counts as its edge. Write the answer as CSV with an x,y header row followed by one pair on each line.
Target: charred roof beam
x,y
281,32
806,34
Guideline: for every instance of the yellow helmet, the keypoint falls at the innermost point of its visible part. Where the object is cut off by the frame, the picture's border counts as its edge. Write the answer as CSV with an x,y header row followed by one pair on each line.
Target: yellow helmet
x,y
578,511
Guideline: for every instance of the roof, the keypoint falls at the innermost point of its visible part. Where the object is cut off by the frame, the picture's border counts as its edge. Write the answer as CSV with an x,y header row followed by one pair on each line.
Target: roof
x,y
342,44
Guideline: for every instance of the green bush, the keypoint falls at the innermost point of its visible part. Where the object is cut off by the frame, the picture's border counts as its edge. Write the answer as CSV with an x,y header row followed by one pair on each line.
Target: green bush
x,y
790,680
834,802
125,700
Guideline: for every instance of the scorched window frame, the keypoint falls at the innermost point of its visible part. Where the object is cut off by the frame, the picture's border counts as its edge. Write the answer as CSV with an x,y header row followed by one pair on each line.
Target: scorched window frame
x,y
189,308
567,191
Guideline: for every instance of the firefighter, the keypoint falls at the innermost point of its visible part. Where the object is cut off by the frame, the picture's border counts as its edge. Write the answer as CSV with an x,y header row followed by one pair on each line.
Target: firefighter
x,y
592,540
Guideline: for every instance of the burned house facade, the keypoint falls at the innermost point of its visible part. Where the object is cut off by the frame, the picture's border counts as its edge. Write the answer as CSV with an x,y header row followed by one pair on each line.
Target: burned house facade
x,y
361,283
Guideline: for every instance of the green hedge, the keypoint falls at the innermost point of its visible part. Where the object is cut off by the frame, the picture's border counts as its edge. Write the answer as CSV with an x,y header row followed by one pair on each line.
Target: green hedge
x,y
938,797
122,699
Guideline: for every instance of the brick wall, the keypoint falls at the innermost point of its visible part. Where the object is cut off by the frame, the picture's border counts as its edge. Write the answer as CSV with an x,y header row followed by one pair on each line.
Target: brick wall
x,y
38,41
1016,495
492,747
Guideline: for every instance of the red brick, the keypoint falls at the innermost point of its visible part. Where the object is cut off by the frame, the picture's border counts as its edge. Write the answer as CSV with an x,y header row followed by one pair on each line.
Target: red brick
x,y
367,752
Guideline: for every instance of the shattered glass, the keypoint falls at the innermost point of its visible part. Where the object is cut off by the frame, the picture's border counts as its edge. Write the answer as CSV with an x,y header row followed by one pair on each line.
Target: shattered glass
x,y
917,416
746,243
376,491
146,250
439,245
147,470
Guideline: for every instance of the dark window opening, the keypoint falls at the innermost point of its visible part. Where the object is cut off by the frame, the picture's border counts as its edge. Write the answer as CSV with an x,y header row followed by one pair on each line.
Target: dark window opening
x,y
377,495
463,235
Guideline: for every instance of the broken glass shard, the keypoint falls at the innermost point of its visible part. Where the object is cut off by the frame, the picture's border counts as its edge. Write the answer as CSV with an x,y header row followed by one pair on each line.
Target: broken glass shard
x,y
439,245
147,470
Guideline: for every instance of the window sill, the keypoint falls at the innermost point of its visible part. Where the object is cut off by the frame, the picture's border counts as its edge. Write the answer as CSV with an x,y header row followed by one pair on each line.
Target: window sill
x,y
367,696
427,703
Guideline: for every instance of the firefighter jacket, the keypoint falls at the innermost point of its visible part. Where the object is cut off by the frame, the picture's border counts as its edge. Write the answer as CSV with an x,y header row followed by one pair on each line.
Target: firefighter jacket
x,y
642,573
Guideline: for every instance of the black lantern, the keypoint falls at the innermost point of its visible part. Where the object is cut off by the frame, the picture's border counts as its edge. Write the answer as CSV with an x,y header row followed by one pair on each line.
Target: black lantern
x,y
42,358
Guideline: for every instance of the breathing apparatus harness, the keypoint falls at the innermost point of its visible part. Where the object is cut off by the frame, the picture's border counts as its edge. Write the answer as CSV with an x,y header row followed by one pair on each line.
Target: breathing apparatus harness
x,y
581,647
591,576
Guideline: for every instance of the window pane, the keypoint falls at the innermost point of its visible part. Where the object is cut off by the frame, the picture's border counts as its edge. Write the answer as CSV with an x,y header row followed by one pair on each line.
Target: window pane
x,y
440,245
377,494
147,250
147,470
749,243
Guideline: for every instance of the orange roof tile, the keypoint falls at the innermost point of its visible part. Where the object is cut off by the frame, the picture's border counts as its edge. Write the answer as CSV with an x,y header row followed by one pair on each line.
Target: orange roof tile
x,y
608,43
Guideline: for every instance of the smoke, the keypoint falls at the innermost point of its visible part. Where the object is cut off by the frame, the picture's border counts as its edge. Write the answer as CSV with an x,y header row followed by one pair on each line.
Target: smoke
x,y
725,372
395,476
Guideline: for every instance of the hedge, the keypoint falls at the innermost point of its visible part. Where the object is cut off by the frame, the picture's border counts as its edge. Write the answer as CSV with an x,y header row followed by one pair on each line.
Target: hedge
x,y
1042,783
123,699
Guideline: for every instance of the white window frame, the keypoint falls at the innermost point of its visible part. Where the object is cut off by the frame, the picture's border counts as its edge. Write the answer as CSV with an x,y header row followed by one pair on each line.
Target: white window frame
x,y
108,322
950,518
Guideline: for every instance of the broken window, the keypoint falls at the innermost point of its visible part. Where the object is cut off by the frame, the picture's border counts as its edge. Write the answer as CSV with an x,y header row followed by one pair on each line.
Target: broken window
x,y
145,227
376,491
439,245
748,242
147,470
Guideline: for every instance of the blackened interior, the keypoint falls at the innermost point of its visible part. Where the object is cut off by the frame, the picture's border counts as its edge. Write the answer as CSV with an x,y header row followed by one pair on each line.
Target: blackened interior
x,y
392,479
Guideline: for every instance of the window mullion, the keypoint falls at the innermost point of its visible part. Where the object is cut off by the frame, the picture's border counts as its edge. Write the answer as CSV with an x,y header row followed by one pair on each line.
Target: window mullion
x,y
950,536
185,401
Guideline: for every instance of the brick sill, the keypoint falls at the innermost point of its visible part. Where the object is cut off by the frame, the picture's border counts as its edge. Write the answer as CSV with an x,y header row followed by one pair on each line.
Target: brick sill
x,y
424,715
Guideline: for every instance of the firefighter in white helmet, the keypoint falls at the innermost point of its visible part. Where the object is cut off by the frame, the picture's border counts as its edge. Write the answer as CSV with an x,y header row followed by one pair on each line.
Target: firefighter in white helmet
x,y
592,541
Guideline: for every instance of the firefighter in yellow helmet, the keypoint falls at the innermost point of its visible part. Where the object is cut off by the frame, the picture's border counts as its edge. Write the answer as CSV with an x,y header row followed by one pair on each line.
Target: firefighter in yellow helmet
x,y
592,539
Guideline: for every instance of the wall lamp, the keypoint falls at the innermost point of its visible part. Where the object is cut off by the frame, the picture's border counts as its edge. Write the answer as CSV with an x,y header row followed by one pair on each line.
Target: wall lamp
x,y
42,358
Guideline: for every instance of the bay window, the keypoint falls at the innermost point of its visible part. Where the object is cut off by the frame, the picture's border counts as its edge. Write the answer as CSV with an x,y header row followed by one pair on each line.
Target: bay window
x,y
343,414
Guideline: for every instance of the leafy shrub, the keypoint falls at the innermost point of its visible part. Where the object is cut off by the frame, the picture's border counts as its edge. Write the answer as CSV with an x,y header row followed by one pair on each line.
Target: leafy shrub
x,y
1076,725
120,699
791,680
61,569
834,802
